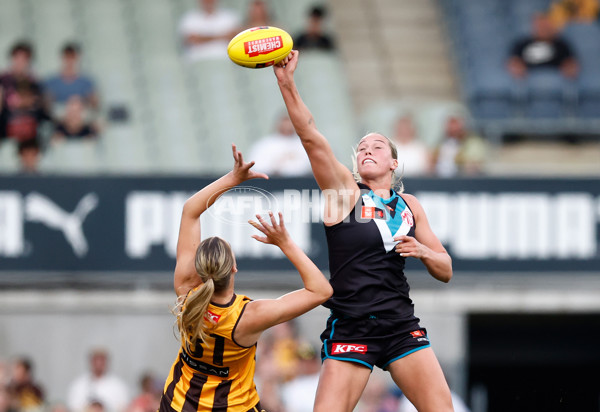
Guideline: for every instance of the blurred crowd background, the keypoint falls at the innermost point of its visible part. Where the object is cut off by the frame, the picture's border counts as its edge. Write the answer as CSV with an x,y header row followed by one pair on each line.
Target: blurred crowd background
x,y
468,89
114,87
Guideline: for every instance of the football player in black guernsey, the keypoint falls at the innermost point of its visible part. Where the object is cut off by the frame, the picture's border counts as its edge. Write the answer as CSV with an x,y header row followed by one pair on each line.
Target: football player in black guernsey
x,y
371,228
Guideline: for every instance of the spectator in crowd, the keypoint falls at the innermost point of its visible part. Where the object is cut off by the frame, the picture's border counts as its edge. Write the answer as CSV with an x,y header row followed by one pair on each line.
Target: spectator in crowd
x,y
149,398
28,395
414,158
29,155
298,395
21,106
58,407
278,363
206,31
23,117
258,14
21,55
98,385
563,12
285,350
281,153
314,36
74,125
70,81
267,374
24,111
4,373
377,396
543,49
267,384
95,406
6,400
460,152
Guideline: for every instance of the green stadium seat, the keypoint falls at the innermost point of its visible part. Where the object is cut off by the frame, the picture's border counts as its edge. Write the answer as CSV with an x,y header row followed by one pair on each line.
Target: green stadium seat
x,y
13,26
72,157
54,26
9,161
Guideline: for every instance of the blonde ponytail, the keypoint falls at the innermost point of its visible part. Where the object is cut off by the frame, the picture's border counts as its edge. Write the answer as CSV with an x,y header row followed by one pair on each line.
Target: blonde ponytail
x,y
191,322
214,264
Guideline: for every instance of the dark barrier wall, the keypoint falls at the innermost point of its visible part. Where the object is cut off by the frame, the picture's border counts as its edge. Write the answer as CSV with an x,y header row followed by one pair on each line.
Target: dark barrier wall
x,y
131,224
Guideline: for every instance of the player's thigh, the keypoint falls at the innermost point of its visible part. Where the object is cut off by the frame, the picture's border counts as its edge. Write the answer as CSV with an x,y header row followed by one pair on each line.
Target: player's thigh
x,y
340,385
420,377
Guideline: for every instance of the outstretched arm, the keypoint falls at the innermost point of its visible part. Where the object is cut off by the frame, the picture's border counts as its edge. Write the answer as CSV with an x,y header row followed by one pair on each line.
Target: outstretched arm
x,y
185,277
328,171
260,315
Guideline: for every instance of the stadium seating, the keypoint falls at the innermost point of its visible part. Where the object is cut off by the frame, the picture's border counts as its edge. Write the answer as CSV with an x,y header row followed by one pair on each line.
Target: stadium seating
x,y
72,157
585,40
52,25
9,162
181,116
429,117
12,24
323,87
482,32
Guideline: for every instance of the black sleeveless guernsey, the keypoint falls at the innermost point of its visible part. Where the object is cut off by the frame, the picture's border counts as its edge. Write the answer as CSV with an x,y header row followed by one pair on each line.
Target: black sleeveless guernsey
x,y
366,274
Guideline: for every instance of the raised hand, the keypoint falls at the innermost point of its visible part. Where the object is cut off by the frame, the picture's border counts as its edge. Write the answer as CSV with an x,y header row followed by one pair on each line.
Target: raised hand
x,y
275,233
242,171
284,70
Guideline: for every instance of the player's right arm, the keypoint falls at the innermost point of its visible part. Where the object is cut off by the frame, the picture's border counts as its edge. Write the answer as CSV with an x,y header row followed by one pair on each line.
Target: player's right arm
x,y
328,171
260,315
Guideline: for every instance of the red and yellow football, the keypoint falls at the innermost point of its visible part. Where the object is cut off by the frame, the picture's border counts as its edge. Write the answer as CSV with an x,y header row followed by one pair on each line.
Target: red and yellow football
x,y
260,47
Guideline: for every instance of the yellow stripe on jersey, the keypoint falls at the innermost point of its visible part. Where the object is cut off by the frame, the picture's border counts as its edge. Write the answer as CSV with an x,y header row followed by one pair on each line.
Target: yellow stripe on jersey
x,y
217,375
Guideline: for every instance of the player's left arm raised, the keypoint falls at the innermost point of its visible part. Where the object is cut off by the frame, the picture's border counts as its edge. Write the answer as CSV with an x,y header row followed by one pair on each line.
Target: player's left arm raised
x,y
425,245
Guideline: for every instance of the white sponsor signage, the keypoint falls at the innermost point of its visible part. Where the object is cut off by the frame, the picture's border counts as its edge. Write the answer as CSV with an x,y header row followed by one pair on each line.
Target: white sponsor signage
x,y
506,226
152,220
474,225
15,209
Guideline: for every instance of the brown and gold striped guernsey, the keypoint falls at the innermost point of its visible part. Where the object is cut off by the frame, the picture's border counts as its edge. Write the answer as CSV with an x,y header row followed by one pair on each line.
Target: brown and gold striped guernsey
x,y
218,376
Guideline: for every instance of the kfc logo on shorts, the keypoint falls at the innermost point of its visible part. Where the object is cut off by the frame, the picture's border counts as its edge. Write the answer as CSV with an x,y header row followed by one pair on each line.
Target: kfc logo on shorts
x,y
408,218
212,317
417,333
347,348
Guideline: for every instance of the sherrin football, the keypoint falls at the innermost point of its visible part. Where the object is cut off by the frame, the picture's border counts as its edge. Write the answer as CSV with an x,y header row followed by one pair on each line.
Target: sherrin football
x,y
260,47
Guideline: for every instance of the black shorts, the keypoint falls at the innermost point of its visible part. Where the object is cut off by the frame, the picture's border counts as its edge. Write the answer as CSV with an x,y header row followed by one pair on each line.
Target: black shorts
x,y
371,341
